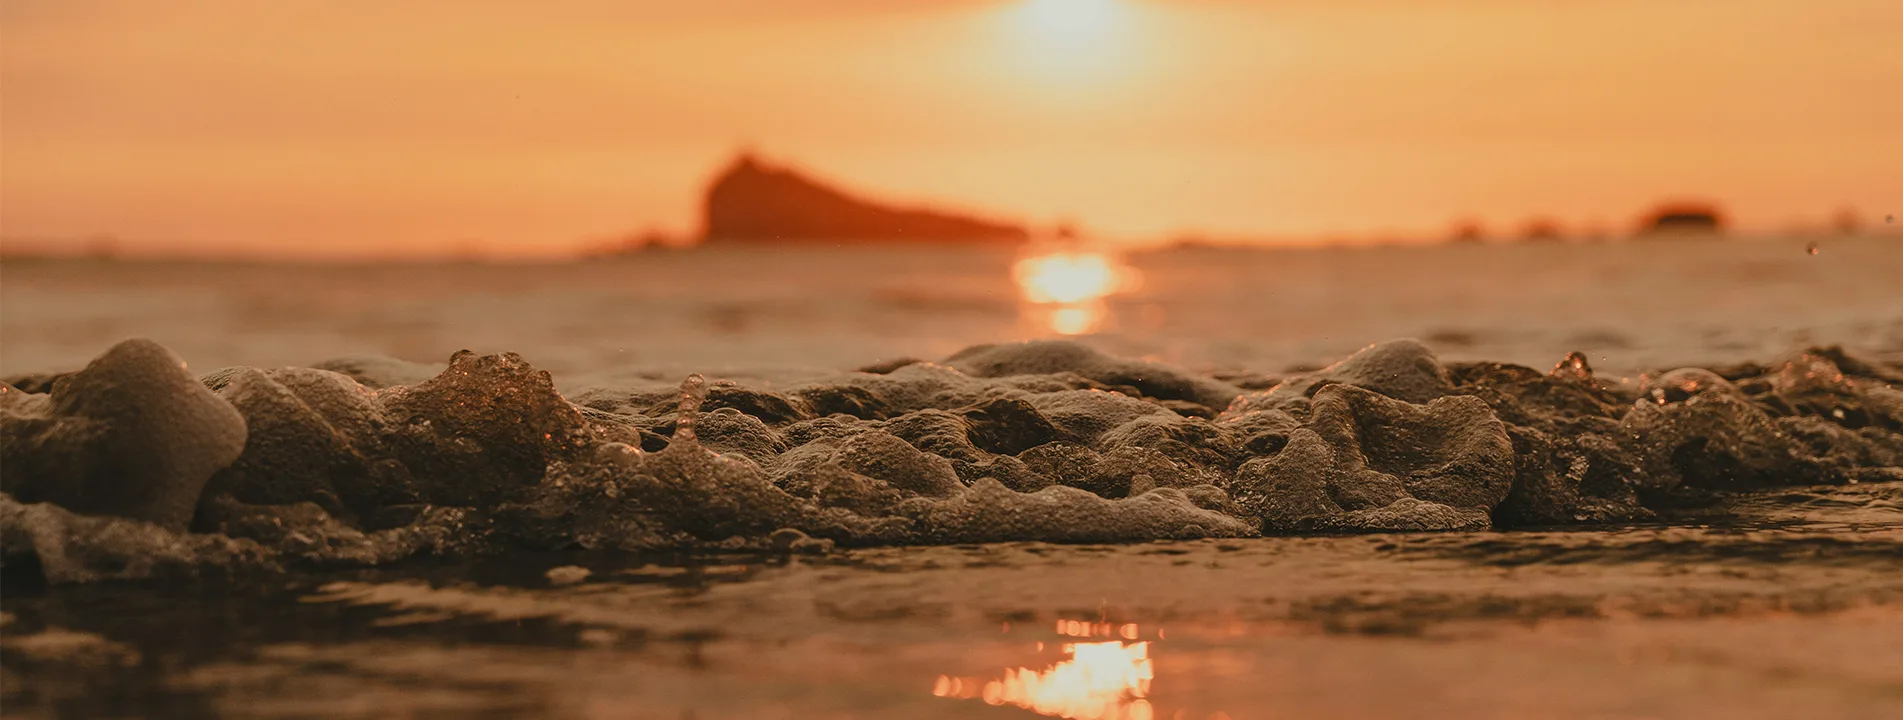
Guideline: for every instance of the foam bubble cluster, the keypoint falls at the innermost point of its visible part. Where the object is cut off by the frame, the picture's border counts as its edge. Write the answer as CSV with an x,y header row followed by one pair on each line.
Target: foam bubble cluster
x,y
132,467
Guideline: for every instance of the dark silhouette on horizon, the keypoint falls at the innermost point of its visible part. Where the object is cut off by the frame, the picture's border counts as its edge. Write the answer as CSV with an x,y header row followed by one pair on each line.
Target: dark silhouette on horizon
x,y
754,201
1683,218
1542,229
1846,221
1467,231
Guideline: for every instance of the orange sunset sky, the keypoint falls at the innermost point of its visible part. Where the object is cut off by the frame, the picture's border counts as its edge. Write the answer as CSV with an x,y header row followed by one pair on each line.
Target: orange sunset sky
x,y
350,127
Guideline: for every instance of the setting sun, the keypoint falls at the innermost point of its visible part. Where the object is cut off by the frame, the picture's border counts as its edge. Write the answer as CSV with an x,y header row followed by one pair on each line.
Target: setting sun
x,y
1071,17
1072,40
1067,277
1066,290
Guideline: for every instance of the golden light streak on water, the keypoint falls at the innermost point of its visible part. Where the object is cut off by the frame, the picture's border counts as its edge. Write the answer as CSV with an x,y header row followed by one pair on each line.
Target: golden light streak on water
x,y
1066,277
1076,320
1100,680
1095,681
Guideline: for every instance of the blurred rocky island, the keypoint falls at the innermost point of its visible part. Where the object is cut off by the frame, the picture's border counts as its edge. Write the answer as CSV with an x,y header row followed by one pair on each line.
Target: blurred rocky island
x,y
1682,218
753,201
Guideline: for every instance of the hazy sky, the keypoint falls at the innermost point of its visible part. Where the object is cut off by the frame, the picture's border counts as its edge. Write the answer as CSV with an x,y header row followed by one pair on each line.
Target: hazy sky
x,y
336,127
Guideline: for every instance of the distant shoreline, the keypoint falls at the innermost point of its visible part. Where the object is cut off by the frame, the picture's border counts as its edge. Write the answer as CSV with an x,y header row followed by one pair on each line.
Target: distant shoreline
x,y
12,252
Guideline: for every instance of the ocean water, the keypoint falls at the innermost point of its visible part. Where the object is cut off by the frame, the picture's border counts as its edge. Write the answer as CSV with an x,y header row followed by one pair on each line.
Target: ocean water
x,y
793,312
1772,605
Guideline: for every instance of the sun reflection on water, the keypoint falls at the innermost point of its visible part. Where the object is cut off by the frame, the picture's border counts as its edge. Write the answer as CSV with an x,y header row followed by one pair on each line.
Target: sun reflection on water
x,y
1067,289
1066,277
1077,320
1102,680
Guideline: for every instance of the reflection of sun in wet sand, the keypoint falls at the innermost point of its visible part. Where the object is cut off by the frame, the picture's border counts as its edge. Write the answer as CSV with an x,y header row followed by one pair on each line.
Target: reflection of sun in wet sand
x,y
1072,286
1105,680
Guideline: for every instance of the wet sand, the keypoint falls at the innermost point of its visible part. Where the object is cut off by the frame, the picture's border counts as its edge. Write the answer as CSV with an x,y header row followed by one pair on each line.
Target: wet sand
x,y
1789,619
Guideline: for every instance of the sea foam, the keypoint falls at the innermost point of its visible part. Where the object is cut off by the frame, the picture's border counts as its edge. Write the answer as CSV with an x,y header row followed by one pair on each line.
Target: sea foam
x,y
133,468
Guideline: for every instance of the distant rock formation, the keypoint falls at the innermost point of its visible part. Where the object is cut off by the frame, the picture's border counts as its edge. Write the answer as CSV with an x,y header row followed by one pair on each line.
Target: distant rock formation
x,y
754,201
1468,231
1683,218
1542,230
1846,221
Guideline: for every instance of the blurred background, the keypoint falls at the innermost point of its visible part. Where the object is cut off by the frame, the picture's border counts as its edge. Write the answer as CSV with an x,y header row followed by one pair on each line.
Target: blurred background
x,y
824,183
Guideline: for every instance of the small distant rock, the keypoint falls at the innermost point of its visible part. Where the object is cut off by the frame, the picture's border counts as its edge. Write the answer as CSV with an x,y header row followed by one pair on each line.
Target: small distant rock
x,y
1681,218
753,201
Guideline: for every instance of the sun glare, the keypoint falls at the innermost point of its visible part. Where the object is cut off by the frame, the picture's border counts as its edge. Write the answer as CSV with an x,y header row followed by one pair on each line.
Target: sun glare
x,y
1077,320
1077,39
1068,288
1066,277
1071,17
